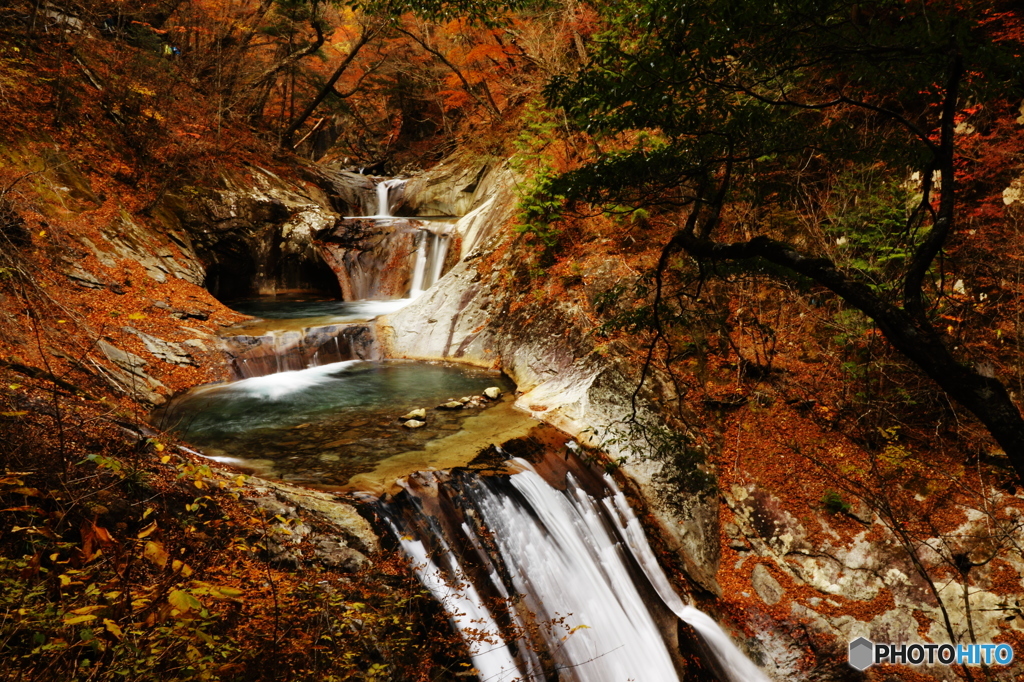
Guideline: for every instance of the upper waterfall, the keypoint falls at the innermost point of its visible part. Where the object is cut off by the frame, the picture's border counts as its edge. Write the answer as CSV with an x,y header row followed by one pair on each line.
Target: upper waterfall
x,y
395,256
384,188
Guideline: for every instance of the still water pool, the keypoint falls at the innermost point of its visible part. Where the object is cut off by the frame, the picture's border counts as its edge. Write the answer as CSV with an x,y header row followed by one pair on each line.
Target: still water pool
x,y
326,424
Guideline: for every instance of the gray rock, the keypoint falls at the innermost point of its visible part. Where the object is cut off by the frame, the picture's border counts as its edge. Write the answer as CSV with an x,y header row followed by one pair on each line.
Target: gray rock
x,y
336,555
84,278
129,375
167,351
766,586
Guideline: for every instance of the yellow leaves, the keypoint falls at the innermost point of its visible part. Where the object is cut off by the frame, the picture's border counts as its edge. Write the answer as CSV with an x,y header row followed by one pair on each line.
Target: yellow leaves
x,y
156,553
181,567
84,614
75,620
137,316
35,530
19,413
113,628
165,459
220,592
147,531
183,601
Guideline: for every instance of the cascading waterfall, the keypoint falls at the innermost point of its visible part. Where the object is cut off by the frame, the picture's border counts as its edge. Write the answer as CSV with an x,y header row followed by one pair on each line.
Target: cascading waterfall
x,y
374,270
570,558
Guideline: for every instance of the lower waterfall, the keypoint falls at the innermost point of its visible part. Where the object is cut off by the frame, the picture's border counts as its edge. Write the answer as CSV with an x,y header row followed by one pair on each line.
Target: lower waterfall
x,y
544,582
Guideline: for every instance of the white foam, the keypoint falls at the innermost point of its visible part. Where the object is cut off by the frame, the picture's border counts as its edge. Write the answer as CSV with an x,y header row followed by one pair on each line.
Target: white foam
x,y
371,309
279,385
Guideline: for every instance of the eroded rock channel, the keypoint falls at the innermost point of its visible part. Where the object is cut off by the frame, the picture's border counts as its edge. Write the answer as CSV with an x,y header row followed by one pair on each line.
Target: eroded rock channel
x,y
323,398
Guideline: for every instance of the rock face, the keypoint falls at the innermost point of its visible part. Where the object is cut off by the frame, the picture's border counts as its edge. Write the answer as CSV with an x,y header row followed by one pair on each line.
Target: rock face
x,y
256,238
371,259
873,566
307,526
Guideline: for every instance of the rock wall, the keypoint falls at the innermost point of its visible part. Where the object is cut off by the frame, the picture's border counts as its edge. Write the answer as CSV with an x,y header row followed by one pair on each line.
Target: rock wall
x,y
256,237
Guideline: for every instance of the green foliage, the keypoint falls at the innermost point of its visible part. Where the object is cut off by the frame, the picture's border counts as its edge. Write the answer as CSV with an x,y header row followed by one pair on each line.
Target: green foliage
x,y
687,470
834,503
539,210
871,225
682,96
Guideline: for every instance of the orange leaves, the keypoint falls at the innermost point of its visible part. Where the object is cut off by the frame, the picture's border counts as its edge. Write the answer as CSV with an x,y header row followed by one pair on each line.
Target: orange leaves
x,y
487,51
94,538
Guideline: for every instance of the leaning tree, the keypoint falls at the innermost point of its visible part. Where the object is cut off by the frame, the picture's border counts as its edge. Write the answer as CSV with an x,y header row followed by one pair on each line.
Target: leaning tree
x,y
705,103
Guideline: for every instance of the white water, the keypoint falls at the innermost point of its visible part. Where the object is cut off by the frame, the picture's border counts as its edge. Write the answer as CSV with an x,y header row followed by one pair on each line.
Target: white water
x,y
282,384
460,600
367,310
431,251
420,266
566,556
730,659
431,244
438,253
568,566
383,188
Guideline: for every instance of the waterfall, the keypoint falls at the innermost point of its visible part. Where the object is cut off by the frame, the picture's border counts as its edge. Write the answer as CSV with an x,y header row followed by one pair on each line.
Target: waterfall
x,y
291,351
438,253
420,266
570,558
373,269
384,188
730,660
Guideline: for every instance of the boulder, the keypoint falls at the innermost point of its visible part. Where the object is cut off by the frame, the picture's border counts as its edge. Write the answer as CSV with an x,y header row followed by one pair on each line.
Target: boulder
x,y
419,414
492,393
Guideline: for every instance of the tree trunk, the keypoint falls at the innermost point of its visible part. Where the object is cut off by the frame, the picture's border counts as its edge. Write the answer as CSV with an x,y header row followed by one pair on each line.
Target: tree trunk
x,y
327,88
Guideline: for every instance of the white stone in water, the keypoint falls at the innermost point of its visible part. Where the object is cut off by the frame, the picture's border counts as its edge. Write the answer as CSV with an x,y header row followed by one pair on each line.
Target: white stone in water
x,y
414,424
464,399
420,413
493,392
451,405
